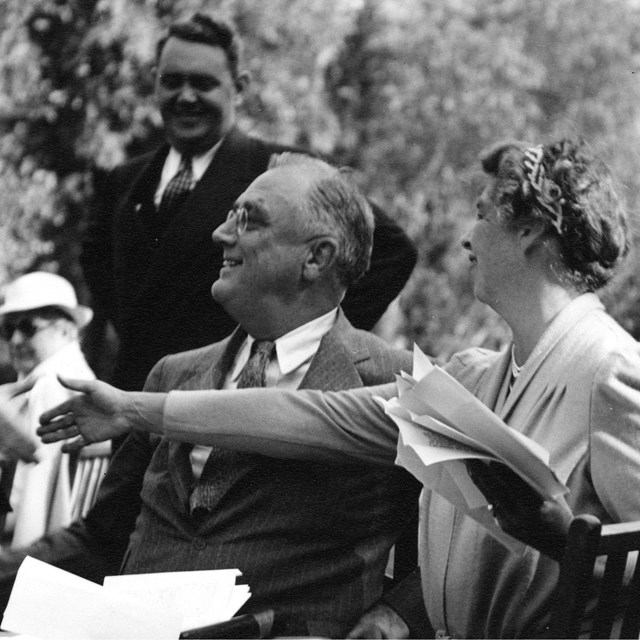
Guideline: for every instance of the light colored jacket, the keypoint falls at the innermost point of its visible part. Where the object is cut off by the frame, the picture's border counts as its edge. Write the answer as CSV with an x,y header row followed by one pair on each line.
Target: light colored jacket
x,y
41,492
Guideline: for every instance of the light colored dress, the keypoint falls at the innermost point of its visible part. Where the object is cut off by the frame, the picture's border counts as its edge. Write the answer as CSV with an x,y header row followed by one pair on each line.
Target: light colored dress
x,y
578,395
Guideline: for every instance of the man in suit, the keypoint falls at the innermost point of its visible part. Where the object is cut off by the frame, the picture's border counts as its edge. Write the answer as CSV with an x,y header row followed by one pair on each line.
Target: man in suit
x,y
311,539
148,259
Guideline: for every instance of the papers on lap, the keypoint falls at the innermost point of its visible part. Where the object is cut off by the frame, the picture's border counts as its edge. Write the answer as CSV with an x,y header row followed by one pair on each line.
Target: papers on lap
x,y
47,602
441,425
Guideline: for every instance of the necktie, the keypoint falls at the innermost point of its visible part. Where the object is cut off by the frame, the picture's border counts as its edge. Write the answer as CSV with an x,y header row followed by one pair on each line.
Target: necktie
x,y
177,189
253,373
224,467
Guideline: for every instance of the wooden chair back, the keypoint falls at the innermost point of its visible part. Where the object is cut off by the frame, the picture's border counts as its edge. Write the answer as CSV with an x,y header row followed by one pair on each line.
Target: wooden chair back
x,y
91,466
599,581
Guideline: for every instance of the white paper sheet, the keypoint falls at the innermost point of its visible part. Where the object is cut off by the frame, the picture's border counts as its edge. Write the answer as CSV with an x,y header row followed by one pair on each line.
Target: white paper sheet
x,y
441,425
440,396
202,597
451,480
53,604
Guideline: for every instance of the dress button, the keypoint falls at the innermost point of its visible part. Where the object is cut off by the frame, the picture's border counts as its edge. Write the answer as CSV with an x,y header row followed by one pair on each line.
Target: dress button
x,y
199,544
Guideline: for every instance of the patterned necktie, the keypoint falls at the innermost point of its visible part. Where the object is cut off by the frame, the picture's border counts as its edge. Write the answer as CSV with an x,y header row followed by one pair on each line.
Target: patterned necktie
x,y
225,467
177,189
253,373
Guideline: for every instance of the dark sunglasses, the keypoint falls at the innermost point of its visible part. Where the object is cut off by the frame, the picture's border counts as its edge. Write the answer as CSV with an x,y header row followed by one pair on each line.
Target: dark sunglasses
x,y
198,81
26,326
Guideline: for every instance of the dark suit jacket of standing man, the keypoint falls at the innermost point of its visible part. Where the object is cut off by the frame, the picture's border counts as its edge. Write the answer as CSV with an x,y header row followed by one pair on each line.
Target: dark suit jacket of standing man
x,y
310,538
155,284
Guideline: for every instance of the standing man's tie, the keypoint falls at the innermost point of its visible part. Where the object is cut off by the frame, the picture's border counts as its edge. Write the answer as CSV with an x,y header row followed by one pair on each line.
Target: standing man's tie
x,y
177,189
225,467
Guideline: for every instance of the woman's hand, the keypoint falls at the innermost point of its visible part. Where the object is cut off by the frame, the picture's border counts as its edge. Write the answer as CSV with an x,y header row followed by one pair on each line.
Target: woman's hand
x,y
519,509
381,621
98,413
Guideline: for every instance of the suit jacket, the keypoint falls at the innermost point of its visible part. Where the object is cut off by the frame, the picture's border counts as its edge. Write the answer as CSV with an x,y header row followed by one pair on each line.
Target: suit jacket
x,y
311,539
155,285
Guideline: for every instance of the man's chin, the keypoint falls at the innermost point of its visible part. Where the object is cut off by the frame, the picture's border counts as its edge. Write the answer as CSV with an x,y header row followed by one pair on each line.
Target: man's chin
x,y
195,134
220,292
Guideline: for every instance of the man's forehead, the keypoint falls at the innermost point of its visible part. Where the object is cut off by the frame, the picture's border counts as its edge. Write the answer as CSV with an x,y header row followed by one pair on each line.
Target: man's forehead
x,y
177,52
281,182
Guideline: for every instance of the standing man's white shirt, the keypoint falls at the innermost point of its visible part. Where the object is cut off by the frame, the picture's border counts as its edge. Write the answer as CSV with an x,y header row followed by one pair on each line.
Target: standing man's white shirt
x,y
292,357
199,165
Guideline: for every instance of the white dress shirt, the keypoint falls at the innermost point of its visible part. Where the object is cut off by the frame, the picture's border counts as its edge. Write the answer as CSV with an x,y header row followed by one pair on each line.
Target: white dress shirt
x,y
287,368
199,165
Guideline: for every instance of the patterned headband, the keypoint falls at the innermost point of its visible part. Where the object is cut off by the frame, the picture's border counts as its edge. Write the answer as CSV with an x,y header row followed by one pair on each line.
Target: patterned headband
x,y
541,187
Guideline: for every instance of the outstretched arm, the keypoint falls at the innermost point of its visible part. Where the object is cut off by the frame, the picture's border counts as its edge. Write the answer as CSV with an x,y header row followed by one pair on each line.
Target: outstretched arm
x,y
338,426
101,412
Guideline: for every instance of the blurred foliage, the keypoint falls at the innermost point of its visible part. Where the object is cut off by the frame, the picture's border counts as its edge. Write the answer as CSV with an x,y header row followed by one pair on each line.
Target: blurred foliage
x,y
407,91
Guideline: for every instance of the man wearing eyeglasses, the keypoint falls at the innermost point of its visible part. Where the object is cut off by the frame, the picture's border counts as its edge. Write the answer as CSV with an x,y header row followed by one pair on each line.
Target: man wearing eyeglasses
x,y
311,540
40,320
148,259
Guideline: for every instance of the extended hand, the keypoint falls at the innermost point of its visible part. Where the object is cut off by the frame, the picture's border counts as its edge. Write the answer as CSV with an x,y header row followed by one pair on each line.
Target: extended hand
x,y
520,511
97,414
13,443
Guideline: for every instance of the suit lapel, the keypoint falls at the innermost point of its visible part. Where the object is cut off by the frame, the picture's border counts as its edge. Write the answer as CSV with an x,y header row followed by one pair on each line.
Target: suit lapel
x,y
187,237
208,377
209,202
334,366
138,212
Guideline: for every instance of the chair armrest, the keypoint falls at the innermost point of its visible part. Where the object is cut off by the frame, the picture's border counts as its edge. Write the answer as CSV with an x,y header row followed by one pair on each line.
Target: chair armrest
x,y
250,625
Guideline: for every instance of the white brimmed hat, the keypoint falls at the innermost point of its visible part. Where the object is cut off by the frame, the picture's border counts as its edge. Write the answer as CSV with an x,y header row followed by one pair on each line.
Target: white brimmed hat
x,y
42,289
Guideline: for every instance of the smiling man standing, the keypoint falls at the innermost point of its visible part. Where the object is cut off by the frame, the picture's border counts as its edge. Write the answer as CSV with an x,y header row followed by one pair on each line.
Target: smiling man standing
x,y
148,257
311,539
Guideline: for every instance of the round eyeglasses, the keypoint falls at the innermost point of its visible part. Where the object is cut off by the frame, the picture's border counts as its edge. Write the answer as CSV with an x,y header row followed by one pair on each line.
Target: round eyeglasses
x,y
241,218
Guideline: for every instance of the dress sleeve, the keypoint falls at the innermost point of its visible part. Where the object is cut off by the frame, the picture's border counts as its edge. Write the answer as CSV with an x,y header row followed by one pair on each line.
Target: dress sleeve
x,y
310,425
615,436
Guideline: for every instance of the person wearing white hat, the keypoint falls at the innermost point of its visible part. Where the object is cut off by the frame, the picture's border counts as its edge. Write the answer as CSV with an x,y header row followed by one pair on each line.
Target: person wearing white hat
x,y
40,319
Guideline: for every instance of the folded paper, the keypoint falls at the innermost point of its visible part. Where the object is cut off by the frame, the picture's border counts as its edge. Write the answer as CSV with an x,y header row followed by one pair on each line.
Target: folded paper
x,y
441,424
47,602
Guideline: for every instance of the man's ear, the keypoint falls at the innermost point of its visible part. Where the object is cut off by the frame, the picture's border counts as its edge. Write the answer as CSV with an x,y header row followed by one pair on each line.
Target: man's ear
x,y
320,258
242,82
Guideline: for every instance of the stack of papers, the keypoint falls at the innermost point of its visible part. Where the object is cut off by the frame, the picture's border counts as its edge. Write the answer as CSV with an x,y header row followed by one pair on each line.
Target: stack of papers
x,y
47,602
441,425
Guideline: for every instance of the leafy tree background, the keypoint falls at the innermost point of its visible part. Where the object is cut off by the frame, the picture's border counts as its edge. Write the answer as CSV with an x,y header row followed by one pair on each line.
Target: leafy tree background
x,y
407,91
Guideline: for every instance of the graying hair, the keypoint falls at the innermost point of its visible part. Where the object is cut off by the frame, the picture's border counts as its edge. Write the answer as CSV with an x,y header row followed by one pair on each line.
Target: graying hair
x,y
335,207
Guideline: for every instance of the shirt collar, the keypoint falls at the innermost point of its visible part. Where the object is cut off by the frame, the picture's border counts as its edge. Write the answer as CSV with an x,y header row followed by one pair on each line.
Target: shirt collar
x,y
293,348
199,163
